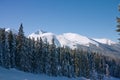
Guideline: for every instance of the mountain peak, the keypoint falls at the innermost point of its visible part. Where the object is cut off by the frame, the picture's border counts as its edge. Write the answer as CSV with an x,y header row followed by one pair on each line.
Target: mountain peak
x,y
40,32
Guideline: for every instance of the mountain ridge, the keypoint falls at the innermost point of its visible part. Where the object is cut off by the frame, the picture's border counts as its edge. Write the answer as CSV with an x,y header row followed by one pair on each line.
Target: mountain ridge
x,y
77,41
73,38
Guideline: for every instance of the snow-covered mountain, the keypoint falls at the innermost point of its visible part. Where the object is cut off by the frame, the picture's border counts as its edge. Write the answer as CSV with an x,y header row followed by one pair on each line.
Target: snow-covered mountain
x,y
66,39
69,39
73,40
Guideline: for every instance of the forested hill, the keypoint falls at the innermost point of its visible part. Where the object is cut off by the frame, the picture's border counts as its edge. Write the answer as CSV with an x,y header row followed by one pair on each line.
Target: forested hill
x,y
39,57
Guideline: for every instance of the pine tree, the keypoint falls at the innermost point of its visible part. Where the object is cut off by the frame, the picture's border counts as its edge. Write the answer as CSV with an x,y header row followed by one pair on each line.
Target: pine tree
x,y
59,61
11,48
53,58
0,48
87,65
69,63
39,55
66,63
20,53
7,54
29,54
118,21
62,61
92,63
76,67
3,52
83,64
25,57
33,56
46,58
80,64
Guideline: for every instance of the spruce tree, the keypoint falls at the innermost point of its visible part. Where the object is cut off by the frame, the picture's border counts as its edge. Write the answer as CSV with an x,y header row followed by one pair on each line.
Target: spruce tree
x,y
87,65
39,55
80,64
11,48
53,58
20,53
62,61
3,52
33,56
46,58
76,68
118,21
29,54
1,48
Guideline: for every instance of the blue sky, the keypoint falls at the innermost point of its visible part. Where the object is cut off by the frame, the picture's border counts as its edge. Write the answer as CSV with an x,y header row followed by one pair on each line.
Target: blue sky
x,y
92,18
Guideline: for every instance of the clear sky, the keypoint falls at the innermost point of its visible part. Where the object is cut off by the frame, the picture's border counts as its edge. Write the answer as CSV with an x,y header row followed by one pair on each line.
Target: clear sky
x,y
92,18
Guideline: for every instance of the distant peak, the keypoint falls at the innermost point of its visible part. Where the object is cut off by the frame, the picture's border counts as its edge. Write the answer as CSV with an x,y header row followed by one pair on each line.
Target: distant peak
x,y
10,29
40,32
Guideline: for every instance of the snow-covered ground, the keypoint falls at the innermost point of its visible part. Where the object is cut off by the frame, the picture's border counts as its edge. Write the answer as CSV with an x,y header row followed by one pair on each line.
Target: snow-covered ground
x,y
14,74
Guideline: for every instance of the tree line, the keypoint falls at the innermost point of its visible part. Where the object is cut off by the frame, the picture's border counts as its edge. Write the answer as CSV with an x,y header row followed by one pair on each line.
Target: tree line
x,y
40,57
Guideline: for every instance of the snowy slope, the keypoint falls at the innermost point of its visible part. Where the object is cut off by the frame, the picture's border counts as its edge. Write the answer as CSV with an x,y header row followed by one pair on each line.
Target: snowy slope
x,y
75,39
14,74
105,41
